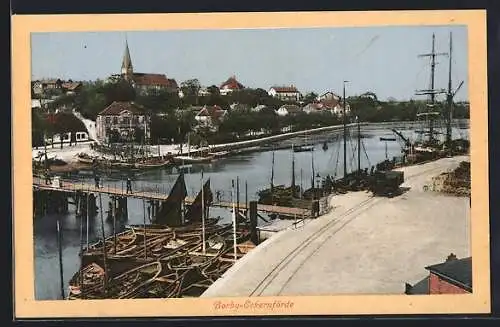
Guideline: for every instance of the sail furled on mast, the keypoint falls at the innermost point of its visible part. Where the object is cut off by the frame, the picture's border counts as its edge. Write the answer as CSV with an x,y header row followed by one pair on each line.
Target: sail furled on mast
x,y
170,212
195,210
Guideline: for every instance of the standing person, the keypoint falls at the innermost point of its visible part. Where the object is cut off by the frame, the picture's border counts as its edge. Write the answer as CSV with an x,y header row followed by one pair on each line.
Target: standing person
x,y
47,177
129,185
96,179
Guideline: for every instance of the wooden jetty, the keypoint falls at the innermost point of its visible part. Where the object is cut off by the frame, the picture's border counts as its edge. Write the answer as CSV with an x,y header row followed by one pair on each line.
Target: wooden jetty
x,y
70,187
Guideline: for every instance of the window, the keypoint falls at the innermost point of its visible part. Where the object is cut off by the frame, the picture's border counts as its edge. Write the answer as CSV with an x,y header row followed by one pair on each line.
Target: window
x,y
66,137
135,120
115,120
108,120
125,120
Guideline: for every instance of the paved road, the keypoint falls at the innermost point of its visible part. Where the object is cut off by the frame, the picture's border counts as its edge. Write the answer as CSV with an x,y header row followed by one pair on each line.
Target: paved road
x,y
364,245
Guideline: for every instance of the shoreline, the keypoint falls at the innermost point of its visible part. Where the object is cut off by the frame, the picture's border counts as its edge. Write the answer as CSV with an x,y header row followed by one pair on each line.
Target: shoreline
x,y
68,153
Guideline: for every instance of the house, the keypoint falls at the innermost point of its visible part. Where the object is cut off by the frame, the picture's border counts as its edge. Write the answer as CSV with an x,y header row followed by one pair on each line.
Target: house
x,y
41,87
204,92
71,87
315,107
288,109
285,93
230,85
123,118
454,276
259,108
239,107
333,102
145,83
210,116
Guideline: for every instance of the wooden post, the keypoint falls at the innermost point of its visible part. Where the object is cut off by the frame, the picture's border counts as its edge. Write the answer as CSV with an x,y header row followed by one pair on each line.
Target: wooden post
x,y
81,252
144,211
59,247
246,200
88,214
253,223
237,197
104,250
113,213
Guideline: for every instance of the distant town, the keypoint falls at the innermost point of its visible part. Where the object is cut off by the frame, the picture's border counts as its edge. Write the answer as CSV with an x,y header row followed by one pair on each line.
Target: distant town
x,y
153,108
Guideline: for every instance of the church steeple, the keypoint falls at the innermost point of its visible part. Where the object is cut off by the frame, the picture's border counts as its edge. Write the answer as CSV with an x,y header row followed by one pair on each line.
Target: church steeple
x,y
127,68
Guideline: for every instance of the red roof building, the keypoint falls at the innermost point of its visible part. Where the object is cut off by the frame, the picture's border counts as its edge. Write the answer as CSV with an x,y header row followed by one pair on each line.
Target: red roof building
x,y
230,85
210,116
123,117
146,82
285,93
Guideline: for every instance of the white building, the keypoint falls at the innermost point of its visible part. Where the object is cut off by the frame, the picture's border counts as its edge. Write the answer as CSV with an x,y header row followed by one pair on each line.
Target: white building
x,y
124,118
288,109
285,93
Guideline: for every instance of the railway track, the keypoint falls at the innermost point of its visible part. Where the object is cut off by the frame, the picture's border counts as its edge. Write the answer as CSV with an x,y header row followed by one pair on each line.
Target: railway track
x,y
350,214
343,220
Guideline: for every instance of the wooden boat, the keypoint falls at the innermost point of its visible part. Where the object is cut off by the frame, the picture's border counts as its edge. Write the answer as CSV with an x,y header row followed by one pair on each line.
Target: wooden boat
x,y
220,154
130,284
167,285
217,267
85,158
303,148
196,258
191,160
151,164
93,277
123,241
133,283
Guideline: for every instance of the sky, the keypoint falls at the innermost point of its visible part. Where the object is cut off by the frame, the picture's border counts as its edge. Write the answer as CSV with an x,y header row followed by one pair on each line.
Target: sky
x,y
383,60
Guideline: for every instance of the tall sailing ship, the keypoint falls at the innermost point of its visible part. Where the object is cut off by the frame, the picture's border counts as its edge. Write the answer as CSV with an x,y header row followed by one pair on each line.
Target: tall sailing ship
x,y
433,141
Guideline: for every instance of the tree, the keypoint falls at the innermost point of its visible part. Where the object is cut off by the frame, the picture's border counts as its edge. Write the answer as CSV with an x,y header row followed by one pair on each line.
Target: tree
x,y
310,97
190,88
119,91
162,102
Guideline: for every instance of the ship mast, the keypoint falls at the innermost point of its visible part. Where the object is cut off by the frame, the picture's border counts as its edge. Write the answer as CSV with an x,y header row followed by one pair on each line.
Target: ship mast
x,y
449,99
431,92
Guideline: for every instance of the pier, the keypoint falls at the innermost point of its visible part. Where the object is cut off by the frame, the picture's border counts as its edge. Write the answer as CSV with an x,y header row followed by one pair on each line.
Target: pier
x,y
69,188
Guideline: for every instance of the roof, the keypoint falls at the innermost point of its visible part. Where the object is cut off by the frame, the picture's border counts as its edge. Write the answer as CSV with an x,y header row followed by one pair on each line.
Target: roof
x,y
315,106
421,287
232,83
118,106
455,271
214,112
285,89
126,62
71,85
154,79
330,103
329,95
291,108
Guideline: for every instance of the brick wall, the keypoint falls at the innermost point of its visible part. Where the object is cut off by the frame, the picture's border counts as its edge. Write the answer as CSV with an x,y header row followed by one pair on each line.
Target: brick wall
x,y
440,286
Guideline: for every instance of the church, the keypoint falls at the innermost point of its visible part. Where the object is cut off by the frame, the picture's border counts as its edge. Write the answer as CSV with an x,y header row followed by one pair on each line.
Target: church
x,y
144,83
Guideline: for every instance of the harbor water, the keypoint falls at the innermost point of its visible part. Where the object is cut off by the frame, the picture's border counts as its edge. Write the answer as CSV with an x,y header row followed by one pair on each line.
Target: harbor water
x,y
253,171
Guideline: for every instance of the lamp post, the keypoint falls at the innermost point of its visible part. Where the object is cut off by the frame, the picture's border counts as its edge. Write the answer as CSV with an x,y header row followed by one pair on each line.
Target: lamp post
x,y
318,184
345,130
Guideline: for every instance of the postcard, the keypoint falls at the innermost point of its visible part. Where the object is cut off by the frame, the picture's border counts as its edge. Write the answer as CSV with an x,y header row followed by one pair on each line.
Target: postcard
x,y
227,164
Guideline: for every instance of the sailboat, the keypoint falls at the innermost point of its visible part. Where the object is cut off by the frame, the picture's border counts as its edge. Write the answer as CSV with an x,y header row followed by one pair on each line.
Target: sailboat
x,y
280,194
190,159
429,145
305,146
